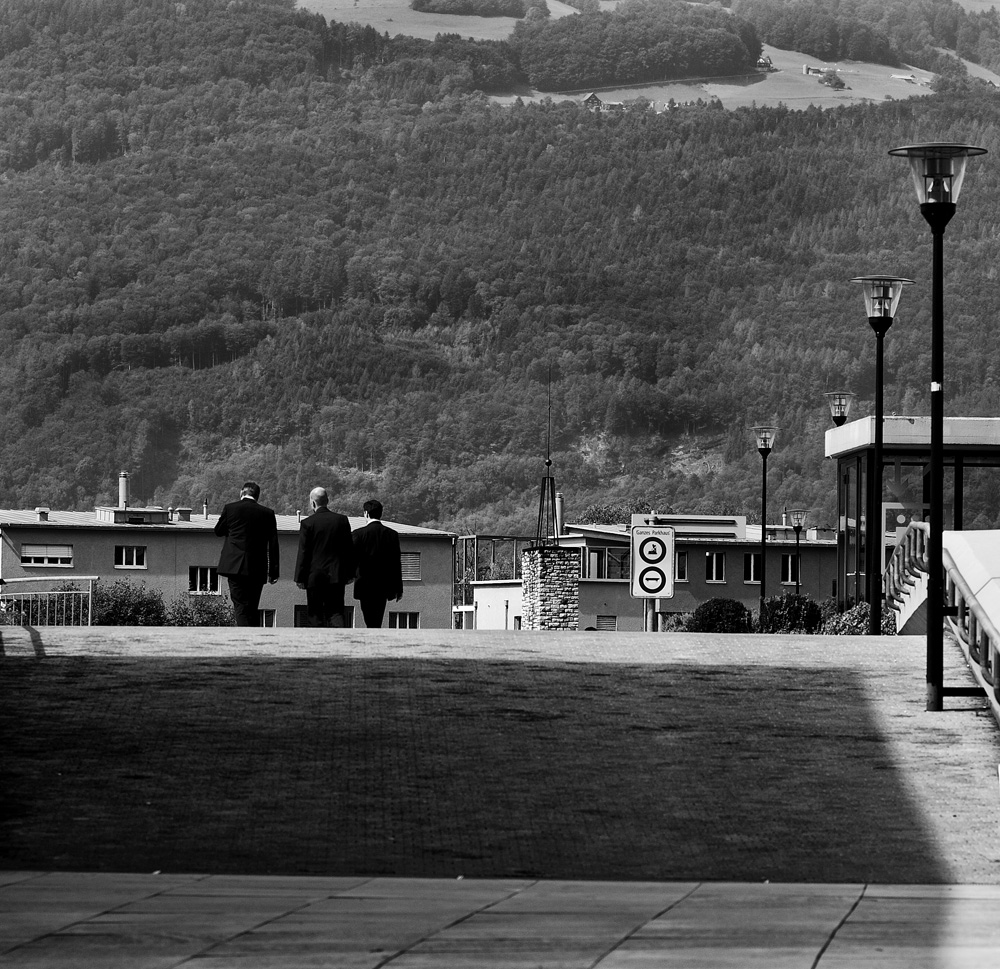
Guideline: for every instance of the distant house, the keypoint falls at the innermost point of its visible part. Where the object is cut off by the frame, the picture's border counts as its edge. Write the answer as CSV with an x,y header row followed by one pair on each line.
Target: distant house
x,y
716,556
764,63
177,553
593,102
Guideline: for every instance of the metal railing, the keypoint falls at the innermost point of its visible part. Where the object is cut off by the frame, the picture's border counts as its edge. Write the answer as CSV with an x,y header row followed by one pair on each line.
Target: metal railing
x,y
909,558
972,596
68,605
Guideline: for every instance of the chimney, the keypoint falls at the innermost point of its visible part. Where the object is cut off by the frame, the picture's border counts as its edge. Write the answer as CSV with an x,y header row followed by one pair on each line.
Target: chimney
x,y
123,489
559,513
205,506
43,514
170,513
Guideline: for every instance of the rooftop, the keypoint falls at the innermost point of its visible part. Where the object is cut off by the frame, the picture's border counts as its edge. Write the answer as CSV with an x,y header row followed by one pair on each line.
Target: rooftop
x,y
100,519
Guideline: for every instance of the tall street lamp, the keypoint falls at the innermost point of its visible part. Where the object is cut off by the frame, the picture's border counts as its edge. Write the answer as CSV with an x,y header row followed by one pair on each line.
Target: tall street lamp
x,y
798,520
765,435
840,405
881,295
938,170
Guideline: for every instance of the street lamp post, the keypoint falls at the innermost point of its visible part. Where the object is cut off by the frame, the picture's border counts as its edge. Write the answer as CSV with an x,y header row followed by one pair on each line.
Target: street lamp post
x,y
798,520
765,435
938,170
840,405
881,295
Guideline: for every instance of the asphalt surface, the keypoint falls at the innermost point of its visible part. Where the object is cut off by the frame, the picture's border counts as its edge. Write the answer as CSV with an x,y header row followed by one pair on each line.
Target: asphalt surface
x,y
801,772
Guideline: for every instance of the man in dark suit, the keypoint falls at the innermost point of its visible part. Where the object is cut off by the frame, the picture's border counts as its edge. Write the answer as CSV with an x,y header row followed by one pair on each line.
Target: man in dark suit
x,y
325,562
380,570
249,555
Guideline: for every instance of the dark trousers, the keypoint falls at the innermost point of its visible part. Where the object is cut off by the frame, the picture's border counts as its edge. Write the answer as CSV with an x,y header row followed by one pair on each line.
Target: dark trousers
x,y
325,602
245,593
374,611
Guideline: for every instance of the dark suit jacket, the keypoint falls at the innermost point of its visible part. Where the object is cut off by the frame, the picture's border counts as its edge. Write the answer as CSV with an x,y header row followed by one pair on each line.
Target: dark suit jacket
x,y
380,574
325,547
251,546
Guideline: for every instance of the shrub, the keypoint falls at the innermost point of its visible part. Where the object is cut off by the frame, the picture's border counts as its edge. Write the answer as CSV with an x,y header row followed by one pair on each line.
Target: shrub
x,y
720,616
854,622
186,610
676,622
120,603
790,613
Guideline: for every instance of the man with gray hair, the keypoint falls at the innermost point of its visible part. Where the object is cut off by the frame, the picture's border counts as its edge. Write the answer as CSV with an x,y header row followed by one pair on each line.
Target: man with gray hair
x,y
326,561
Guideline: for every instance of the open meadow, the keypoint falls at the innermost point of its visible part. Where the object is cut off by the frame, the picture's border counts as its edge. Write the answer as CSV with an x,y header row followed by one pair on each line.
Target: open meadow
x,y
787,85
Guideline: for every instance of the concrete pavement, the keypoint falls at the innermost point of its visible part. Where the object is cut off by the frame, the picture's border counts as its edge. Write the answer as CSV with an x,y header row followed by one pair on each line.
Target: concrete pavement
x,y
680,801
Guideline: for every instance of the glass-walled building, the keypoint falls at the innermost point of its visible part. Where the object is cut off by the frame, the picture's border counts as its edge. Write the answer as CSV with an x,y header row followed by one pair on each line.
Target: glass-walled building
x,y
971,448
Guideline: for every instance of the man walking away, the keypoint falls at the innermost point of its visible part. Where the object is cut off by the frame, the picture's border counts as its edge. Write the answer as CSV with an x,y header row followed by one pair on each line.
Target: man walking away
x,y
380,571
325,562
249,556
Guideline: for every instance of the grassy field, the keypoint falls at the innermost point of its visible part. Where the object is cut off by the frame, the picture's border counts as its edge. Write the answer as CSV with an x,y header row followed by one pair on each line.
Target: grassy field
x,y
788,85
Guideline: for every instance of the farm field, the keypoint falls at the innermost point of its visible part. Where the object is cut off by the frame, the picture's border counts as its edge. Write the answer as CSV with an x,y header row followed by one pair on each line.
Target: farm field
x,y
395,17
788,85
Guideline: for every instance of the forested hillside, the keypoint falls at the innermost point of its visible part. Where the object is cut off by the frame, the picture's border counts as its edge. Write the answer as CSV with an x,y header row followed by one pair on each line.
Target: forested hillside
x,y
238,242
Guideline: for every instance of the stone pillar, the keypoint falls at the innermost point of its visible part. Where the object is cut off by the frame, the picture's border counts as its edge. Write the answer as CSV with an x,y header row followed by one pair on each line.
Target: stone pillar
x,y
550,587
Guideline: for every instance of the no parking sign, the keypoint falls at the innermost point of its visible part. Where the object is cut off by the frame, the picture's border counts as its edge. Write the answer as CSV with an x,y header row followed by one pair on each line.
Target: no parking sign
x,y
652,562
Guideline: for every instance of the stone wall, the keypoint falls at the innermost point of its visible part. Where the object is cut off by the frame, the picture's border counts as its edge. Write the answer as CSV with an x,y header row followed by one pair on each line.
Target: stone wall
x,y
550,597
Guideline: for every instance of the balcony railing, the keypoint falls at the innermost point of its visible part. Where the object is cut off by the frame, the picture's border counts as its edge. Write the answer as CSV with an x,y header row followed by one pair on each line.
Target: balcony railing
x,y
67,605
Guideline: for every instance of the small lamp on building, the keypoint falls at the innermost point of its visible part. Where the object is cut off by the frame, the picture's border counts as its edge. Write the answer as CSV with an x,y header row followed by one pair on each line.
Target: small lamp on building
x,y
938,170
881,295
764,434
798,516
840,405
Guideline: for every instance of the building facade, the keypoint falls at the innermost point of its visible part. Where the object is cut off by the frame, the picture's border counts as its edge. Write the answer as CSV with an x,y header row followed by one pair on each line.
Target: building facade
x,y
714,557
177,553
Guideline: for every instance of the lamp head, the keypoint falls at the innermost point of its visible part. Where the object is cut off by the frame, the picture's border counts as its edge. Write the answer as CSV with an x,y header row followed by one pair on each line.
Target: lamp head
x,y
881,295
938,170
798,516
840,405
765,435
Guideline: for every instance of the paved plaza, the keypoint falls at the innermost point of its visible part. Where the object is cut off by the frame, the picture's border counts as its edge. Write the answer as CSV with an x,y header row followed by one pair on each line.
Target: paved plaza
x,y
204,797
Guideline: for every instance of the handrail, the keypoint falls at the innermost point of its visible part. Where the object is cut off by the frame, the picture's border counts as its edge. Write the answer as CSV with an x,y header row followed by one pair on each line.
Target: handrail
x,y
52,607
908,558
972,593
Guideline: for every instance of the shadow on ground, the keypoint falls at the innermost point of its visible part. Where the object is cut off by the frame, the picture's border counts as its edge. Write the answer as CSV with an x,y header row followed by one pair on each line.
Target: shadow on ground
x,y
438,768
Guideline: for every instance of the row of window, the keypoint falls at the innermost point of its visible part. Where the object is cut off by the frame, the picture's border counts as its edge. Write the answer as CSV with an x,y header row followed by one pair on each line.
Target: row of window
x,y
201,578
397,620
613,564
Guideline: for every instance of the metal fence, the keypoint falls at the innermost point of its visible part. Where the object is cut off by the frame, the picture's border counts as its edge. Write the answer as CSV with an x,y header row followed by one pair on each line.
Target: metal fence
x,y
66,605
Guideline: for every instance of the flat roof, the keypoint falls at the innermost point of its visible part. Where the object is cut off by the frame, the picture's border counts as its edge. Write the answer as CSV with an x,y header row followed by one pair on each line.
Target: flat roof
x,y
973,433
199,523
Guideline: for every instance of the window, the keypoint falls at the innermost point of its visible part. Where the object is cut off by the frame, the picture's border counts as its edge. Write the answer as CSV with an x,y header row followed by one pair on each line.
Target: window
x,y
595,563
789,568
130,556
410,562
681,567
267,617
715,566
618,563
51,555
751,567
404,620
607,623
203,580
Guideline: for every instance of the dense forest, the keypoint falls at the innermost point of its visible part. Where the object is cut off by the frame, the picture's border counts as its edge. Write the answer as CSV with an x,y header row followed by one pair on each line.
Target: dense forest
x,y
917,32
642,40
241,242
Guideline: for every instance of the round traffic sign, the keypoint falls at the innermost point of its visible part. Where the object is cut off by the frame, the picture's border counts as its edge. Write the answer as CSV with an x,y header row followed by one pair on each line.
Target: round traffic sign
x,y
652,579
652,549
